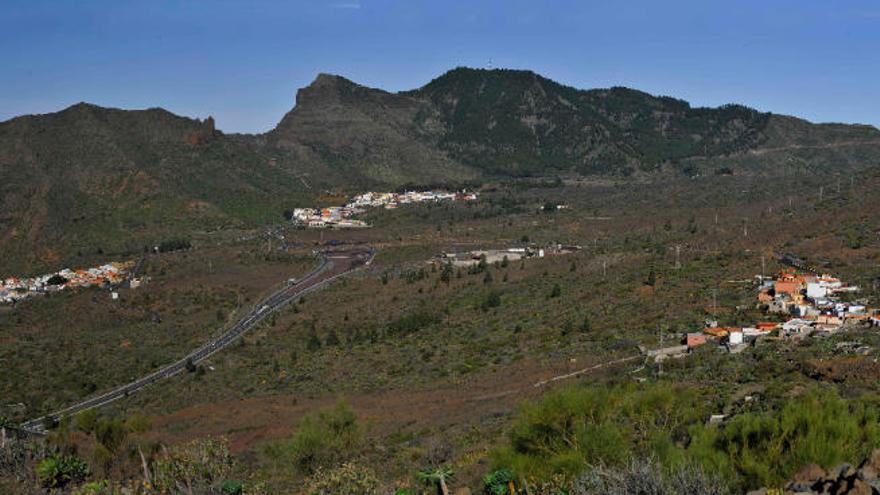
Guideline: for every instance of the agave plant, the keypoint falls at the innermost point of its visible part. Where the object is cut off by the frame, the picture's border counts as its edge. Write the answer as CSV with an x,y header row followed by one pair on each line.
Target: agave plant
x,y
437,476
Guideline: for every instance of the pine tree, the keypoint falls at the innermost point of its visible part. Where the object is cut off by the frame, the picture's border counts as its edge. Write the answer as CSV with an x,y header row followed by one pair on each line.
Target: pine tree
x,y
446,273
314,342
585,325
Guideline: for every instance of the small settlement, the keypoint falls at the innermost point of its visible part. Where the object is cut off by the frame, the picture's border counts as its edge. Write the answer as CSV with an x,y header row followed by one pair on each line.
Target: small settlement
x,y
491,256
807,302
14,289
341,216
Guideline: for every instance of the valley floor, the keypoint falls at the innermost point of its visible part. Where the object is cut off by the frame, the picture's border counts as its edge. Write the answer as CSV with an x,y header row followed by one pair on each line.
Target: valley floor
x,y
427,357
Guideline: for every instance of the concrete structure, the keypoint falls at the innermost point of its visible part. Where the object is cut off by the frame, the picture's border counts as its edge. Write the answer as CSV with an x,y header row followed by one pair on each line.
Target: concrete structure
x,y
667,352
816,290
735,337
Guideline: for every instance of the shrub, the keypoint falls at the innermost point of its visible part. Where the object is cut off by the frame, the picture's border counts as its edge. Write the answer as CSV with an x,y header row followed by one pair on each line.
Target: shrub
x,y
414,322
572,428
60,471
87,420
232,487
174,245
764,449
647,476
347,478
313,343
493,300
498,482
585,326
201,466
325,438
111,433
102,487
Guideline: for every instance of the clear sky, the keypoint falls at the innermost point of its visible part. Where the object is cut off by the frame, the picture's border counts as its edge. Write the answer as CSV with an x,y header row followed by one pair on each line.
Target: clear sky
x,y
243,61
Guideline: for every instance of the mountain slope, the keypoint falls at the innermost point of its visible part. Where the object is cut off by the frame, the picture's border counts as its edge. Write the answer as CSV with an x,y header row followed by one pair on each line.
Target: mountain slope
x,y
89,178
366,134
519,122
469,123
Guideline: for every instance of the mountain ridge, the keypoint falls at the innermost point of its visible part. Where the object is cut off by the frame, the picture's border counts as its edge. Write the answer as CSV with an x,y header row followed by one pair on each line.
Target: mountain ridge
x,y
90,177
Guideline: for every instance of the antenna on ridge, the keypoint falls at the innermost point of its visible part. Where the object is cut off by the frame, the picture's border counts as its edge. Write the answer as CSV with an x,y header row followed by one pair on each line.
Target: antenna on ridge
x,y
489,64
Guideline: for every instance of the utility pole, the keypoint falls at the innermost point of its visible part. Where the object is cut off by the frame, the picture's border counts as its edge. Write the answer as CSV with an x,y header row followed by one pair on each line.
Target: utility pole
x,y
678,256
715,303
604,267
821,192
660,362
762,267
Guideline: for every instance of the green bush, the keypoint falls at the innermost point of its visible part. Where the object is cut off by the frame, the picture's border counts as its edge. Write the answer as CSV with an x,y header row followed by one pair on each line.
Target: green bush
x,y
344,479
498,482
493,300
60,471
573,427
111,433
201,466
764,449
325,438
174,245
413,322
87,420
232,487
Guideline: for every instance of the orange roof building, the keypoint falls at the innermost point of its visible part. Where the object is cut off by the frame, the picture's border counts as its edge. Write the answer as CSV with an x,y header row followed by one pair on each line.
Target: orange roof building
x,y
695,339
764,296
718,331
790,287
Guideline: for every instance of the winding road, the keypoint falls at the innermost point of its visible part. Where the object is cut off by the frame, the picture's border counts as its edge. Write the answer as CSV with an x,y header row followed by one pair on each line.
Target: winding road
x,y
333,265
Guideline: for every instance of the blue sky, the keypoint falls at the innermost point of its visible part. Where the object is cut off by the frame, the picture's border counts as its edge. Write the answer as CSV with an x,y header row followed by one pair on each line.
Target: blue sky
x,y
243,61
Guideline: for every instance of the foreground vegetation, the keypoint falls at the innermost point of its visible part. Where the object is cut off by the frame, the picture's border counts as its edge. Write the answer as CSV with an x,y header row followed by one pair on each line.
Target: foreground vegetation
x,y
438,367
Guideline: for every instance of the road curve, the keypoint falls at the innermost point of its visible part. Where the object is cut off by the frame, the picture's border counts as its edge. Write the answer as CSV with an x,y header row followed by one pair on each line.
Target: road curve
x,y
332,266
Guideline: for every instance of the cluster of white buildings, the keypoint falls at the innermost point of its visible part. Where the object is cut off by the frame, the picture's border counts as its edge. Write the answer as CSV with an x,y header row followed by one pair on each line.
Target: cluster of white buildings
x,y
331,216
813,302
491,256
808,303
341,216
14,289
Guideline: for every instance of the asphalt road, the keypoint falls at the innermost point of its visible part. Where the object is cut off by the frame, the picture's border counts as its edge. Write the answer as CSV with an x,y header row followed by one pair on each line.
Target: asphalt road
x,y
333,265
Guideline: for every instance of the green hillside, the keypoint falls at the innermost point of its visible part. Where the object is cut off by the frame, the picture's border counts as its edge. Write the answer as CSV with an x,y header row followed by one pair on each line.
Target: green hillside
x,y
89,180
518,122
